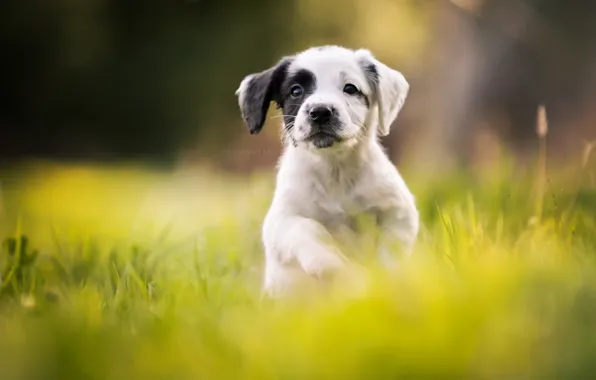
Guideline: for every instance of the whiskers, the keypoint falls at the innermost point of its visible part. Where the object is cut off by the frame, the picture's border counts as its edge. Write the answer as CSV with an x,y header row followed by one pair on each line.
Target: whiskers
x,y
285,134
349,142
281,115
288,124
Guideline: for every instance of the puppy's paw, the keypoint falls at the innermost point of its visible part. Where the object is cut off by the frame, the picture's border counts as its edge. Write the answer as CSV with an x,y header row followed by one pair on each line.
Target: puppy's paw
x,y
323,264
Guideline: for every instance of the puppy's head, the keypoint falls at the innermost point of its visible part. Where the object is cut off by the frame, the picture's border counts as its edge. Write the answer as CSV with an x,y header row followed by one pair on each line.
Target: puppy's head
x,y
329,96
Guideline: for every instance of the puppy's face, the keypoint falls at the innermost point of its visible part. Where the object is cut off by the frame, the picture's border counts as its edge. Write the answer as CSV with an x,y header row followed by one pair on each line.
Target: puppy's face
x,y
327,96
325,99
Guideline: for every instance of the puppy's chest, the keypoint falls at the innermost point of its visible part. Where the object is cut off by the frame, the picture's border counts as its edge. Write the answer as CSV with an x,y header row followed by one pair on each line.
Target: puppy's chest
x,y
341,210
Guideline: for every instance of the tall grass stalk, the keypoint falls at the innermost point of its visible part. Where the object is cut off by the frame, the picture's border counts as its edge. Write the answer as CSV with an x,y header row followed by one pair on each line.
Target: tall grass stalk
x,y
541,132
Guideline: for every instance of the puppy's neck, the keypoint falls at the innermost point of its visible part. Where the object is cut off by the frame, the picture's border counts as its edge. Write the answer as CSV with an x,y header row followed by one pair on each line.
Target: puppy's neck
x,y
345,163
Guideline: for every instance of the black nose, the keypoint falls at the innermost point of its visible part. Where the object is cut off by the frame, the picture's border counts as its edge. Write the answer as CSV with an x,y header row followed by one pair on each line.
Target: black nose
x,y
320,114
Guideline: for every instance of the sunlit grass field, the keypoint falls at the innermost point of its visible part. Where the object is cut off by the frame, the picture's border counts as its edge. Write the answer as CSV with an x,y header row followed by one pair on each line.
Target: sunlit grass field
x,y
125,273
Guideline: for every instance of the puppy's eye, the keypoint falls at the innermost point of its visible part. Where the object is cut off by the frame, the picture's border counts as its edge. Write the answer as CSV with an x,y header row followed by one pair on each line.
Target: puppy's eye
x,y
296,91
350,89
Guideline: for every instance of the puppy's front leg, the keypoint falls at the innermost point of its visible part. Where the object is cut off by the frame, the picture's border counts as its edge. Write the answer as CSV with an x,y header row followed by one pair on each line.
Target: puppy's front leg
x,y
399,231
305,241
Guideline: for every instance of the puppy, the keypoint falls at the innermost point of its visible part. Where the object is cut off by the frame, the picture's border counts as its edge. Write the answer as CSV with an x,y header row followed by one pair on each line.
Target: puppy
x,y
335,103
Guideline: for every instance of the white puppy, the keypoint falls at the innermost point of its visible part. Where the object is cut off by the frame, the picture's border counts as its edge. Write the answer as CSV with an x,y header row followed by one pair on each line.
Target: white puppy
x,y
335,103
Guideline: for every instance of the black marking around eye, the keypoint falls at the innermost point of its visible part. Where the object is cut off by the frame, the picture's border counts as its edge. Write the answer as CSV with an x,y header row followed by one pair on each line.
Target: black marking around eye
x,y
290,106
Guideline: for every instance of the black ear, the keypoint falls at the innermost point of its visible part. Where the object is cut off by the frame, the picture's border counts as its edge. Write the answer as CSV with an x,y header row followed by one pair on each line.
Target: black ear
x,y
257,91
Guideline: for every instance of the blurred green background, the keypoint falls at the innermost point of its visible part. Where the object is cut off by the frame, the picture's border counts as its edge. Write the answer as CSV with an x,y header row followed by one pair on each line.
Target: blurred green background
x,y
112,269
154,80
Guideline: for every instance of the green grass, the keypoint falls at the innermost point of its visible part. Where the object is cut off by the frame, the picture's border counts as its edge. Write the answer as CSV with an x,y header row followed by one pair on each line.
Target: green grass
x,y
131,274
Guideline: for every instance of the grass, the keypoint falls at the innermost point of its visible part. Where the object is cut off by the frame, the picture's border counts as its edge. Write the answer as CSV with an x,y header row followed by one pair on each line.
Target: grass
x,y
122,273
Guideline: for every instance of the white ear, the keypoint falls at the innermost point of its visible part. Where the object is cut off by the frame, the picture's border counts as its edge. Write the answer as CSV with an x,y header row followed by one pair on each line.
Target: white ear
x,y
390,89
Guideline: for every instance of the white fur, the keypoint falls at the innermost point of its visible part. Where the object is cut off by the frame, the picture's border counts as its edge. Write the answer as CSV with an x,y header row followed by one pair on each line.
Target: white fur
x,y
318,191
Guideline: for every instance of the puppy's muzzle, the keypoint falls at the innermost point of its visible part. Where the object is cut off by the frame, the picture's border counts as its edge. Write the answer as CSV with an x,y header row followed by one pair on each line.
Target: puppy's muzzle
x,y
323,122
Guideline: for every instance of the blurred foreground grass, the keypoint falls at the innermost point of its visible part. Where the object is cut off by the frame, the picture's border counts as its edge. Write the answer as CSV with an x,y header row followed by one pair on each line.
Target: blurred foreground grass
x,y
132,274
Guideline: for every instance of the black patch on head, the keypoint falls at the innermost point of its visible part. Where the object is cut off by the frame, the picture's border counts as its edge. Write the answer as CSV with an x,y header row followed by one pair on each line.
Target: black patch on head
x,y
289,105
372,76
261,90
371,73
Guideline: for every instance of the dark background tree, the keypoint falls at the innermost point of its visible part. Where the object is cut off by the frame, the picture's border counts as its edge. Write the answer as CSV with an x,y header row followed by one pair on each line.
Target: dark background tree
x,y
126,79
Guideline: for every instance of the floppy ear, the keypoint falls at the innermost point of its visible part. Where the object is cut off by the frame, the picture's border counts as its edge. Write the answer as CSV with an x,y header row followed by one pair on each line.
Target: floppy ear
x,y
390,89
257,91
